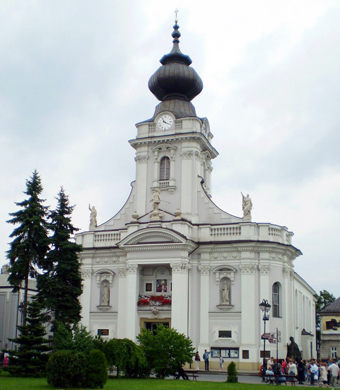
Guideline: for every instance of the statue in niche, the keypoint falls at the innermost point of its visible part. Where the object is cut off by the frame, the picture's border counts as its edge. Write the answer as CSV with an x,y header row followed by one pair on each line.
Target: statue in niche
x,y
105,295
247,206
293,351
93,216
225,294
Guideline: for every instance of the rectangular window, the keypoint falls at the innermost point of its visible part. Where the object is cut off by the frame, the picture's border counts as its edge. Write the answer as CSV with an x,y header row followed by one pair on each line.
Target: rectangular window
x,y
333,352
148,287
267,354
245,354
103,332
224,334
225,352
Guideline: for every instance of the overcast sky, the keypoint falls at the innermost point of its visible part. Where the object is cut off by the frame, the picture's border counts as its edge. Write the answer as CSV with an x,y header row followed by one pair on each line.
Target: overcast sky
x,y
73,82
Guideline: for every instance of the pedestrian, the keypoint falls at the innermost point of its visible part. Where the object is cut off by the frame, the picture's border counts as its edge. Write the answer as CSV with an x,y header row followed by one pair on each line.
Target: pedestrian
x,y
197,360
301,371
323,375
292,372
313,370
221,363
5,360
206,360
334,370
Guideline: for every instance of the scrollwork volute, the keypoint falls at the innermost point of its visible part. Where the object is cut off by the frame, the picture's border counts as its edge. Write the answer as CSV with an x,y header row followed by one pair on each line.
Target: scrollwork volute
x,y
249,268
180,267
205,269
187,154
132,269
264,269
86,273
141,158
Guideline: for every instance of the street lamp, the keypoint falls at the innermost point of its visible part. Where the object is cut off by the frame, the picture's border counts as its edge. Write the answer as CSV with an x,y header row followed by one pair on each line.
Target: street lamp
x,y
265,308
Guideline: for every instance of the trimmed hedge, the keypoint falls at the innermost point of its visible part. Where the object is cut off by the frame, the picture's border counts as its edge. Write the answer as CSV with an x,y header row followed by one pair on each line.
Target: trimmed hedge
x,y
66,369
96,374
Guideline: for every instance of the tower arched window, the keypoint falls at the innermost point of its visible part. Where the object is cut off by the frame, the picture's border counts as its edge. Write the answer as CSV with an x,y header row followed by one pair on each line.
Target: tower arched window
x,y
276,299
164,172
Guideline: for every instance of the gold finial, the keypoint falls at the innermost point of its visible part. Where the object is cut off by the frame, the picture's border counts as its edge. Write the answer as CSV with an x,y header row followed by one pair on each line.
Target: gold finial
x,y
176,12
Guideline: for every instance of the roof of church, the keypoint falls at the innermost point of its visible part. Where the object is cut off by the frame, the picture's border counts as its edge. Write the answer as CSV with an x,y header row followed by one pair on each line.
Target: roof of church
x,y
175,79
332,308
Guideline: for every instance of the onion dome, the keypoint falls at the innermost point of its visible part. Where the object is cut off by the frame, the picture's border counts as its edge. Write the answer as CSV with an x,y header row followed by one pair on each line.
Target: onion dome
x,y
176,80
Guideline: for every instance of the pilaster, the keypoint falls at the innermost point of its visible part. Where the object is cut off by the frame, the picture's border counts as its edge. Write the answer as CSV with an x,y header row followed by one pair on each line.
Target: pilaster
x,y
179,310
204,307
85,298
249,309
131,301
121,326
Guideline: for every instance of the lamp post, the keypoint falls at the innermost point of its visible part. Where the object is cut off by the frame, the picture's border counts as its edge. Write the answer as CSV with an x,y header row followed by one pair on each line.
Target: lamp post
x,y
265,308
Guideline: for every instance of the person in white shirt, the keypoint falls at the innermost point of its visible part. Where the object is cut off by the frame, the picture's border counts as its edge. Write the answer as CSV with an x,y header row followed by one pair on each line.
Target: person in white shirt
x,y
334,369
323,375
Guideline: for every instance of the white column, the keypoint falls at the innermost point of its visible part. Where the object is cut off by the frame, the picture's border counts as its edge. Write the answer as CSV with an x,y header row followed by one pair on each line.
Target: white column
x,y
204,307
141,183
179,309
131,301
265,288
249,309
85,298
156,169
288,309
187,187
172,181
121,327
208,176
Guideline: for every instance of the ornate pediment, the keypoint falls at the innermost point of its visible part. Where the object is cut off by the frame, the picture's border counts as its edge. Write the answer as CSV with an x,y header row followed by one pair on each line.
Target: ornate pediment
x,y
150,236
224,271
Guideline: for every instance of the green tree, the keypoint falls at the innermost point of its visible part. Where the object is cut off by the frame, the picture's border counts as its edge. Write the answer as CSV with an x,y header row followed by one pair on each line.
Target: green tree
x,y
127,357
77,339
30,243
60,283
324,299
32,355
165,349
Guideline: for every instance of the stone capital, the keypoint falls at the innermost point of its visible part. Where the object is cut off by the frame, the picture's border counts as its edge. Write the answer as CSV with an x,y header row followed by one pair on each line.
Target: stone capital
x,y
86,273
205,269
249,268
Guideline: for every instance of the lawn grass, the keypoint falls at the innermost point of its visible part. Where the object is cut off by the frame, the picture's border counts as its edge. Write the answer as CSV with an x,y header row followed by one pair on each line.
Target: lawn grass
x,y
9,383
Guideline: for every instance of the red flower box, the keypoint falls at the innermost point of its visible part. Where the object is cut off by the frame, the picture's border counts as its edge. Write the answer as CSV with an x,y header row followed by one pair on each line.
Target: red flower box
x,y
143,302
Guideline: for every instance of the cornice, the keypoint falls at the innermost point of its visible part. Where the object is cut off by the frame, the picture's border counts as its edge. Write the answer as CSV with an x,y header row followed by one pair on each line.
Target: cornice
x,y
198,137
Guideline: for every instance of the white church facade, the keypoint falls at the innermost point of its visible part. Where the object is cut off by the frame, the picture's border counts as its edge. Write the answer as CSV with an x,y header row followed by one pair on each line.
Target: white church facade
x,y
171,256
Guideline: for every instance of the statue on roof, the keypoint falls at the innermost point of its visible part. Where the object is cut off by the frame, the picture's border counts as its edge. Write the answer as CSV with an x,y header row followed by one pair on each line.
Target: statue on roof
x,y
93,217
247,206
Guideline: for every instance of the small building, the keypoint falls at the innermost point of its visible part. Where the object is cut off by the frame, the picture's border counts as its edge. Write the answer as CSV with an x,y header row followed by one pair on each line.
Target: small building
x,y
11,314
330,330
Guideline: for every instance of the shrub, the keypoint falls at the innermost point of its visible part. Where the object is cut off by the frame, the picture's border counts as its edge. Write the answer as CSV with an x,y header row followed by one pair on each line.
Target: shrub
x,y
127,357
66,369
96,370
232,373
165,350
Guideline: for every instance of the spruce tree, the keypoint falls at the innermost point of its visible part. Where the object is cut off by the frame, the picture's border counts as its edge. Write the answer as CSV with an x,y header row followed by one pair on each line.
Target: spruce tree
x,y
30,243
32,355
59,285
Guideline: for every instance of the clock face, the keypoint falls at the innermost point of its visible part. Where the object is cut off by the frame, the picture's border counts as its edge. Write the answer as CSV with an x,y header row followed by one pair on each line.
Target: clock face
x,y
165,122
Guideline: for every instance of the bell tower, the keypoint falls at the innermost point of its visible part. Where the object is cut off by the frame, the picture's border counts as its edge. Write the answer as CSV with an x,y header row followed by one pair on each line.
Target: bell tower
x,y
173,148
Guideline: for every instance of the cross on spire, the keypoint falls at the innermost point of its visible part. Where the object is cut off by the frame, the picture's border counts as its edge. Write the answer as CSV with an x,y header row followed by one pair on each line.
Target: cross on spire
x,y
176,12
